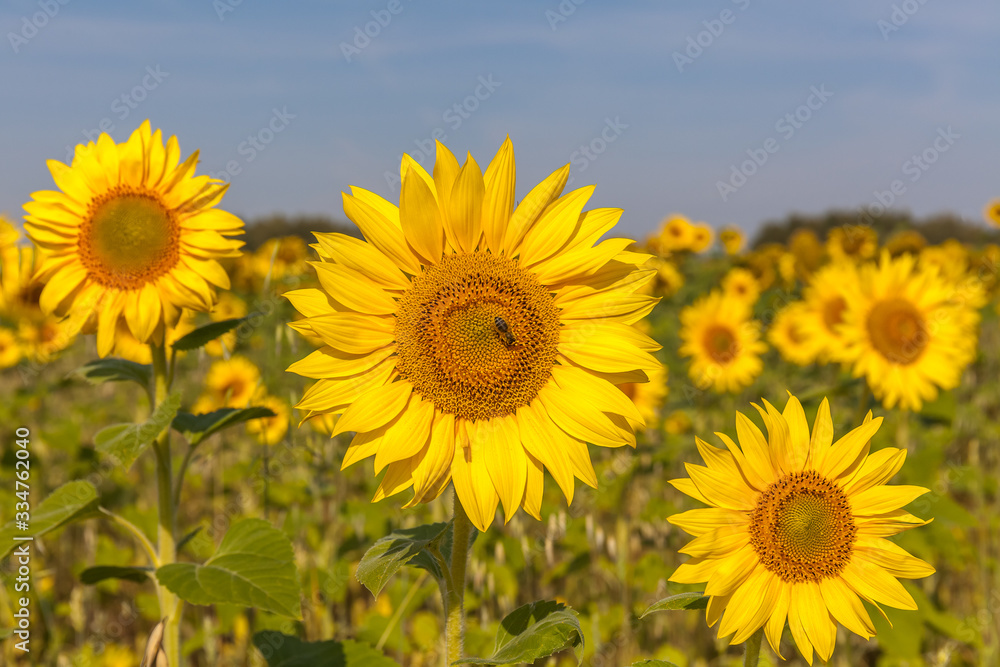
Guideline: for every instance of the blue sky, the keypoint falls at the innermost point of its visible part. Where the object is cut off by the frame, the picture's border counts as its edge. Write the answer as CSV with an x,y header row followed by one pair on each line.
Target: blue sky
x,y
663,122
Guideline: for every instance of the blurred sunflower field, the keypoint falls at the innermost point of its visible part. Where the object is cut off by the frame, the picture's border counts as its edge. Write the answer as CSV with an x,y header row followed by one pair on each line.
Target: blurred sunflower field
x,y
851,369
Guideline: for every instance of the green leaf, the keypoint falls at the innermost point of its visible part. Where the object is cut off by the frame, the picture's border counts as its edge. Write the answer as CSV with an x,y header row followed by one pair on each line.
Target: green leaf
x,y
112,369
285,651
679,601
534,631
206,334
254,567
92,575
395,550
125,442
71,501
199,427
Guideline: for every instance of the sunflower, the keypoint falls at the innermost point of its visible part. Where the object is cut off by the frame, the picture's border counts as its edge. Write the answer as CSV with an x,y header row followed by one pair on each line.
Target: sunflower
x,y
229,383
723,342
826,299
270,430
229,307
808,251
702,236
473,342
992,212
787,336
10,348
676,233
131,234
742,285
732,240
668,280
796,529
851,242
908,331
279,258
906,241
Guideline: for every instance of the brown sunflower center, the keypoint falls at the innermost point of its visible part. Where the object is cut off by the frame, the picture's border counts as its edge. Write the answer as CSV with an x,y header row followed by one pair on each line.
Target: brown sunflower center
x,y
833,312
802,528
477,335
720,344
897,330
128,239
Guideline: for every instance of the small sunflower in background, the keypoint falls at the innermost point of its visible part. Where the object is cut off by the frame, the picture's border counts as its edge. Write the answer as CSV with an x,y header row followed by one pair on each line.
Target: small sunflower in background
x,y
741,284
10,348
676,234
471,341
795,530
724,344
808,251
229,307
668,280
852,243
906,332
279,258
702,236
270,430
992,212
229,383
131,234
648,396
826,298
732,240
787,336
906,241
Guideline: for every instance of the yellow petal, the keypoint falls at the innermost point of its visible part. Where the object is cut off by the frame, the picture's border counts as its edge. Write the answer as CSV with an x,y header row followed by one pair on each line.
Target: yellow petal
x,y
376,407
473,486
420,218
500,443
381,233
445,172
755,448
398,478
732,571
554,227
408,435
547,443
436,463
364,258
465,206
848,452
775,625
533,488
703,520
580,420
819,627
874,584
720,489
329,362
498,200
532,206
796,624
846,607
798,432
353,289
60,286
881,499
355,333
877,469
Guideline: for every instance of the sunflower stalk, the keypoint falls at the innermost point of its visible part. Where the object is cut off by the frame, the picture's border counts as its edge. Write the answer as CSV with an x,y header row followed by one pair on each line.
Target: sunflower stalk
x,y
166,527
752,654
455,585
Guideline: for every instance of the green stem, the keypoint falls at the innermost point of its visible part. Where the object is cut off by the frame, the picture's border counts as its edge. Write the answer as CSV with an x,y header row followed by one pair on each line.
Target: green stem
x,y
903,431
147,546
753,649
455,600
170,606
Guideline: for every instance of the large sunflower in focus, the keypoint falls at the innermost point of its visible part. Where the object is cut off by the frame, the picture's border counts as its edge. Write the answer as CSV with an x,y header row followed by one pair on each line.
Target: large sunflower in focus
x,y
132,234
723,343
469,341
909,331
796,529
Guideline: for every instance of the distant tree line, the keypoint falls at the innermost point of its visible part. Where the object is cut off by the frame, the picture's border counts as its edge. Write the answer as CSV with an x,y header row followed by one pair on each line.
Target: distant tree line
x,y
935,228
259,230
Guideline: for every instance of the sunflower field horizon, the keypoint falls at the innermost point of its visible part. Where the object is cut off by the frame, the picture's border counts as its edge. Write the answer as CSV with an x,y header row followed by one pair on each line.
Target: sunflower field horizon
x,y
472,399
